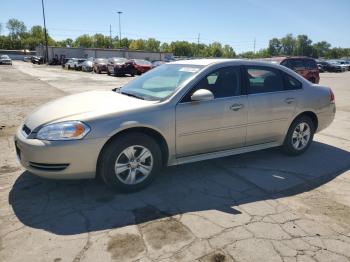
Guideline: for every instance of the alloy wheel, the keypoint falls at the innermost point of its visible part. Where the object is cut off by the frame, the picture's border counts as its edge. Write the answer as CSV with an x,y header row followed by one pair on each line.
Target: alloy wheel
x,y
301,136
133,164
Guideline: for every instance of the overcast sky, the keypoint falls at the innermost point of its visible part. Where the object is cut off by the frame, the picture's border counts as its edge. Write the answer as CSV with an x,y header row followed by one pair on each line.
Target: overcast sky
x,y
236,23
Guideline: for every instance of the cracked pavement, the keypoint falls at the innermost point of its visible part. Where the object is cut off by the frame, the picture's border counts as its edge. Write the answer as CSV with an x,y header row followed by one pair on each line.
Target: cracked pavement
x,y
261,206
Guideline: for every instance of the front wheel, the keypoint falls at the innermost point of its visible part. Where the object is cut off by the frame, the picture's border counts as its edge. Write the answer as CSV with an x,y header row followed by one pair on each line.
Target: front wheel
x,y
130,162
299,136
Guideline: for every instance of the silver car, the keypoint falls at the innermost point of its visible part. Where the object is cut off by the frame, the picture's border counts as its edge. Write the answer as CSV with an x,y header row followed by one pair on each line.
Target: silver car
x,y
5,60
177,113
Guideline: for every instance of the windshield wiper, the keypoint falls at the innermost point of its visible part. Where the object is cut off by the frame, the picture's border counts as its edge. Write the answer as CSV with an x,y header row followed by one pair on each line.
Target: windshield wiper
x,y
132,95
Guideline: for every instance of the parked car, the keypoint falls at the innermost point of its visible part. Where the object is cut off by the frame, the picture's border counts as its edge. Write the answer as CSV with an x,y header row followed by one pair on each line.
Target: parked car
x,y
178,113
79,64
70,63
304,66
64,61
37,59
336,64
100,65
140,66
156,63
119,66
87,66
73,63
328,67
27,59
344,63
5,60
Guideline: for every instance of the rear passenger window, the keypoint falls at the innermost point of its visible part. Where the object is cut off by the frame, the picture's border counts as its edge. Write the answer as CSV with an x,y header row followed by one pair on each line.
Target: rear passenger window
x,y
264,80
310,64
290,83
297,64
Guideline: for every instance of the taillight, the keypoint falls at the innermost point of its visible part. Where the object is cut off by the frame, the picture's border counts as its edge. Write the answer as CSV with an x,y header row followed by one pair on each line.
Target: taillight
x,y
331,96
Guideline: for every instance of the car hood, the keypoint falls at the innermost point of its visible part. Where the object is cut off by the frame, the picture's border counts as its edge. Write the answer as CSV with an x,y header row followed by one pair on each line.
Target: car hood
x,y
84,106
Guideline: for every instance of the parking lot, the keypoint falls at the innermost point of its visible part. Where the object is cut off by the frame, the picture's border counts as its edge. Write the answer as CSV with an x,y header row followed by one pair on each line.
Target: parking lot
x,y
261,206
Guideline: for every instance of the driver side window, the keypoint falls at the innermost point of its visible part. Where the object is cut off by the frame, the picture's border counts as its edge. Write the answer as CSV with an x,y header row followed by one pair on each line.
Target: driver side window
x,y
223,82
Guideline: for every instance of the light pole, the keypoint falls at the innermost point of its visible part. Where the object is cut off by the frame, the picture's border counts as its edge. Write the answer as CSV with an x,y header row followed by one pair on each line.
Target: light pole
x,y
120,30
45,31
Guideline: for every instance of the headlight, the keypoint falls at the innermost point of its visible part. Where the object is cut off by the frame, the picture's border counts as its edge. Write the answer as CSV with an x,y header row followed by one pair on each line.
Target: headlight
x,y
70,130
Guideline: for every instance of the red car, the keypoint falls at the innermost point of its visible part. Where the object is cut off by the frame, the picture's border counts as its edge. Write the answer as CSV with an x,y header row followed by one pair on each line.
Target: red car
x,y
140,66
304,66
100,65
119,66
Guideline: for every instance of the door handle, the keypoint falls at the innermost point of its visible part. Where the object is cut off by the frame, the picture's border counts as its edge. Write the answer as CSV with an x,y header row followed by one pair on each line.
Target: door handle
x,y
236,107
289,100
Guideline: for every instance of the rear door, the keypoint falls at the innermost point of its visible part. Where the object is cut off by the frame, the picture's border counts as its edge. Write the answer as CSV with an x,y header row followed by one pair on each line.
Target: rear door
x,y
271,104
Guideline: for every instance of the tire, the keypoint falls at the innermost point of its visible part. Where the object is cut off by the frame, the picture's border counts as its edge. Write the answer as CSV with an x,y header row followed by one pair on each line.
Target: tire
x,y
108,73
113,153
68,67
295,139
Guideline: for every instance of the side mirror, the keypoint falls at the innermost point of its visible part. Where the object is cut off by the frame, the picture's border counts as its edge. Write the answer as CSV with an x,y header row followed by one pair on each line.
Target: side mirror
x,y
202,95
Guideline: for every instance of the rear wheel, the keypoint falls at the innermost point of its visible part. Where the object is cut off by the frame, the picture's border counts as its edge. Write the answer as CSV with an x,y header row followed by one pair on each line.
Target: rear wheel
x,y
299,136
130,162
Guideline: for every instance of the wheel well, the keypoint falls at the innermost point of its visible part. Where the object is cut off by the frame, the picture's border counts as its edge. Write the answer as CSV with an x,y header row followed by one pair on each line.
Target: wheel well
x,y
151,132
312,116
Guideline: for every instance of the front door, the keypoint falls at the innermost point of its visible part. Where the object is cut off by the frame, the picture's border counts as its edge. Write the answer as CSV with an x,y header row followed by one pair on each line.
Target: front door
x,y
215,125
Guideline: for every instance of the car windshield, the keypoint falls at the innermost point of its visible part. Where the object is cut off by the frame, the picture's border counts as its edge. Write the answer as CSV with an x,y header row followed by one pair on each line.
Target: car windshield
x,y
161,82
5,57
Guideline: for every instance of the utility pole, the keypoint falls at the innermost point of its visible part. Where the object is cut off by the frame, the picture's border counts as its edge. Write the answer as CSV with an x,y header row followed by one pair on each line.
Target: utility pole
x,y
110,35
45,31
198,38
254,44
120,30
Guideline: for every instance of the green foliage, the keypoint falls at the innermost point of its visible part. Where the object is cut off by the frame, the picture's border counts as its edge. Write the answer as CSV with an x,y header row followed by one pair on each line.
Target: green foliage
x,y
21,38
16,27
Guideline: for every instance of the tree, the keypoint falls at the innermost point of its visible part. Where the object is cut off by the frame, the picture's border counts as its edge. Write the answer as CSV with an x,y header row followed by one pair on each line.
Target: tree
x,y
215,49
138,44
15,27
288,44
165,47
274,47
228,51
320,49
65,43
182,48
153,45
101,41
303,46
83,41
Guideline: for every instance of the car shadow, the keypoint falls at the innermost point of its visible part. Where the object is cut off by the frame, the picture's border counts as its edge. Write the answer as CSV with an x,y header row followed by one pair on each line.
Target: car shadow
x,y
74,207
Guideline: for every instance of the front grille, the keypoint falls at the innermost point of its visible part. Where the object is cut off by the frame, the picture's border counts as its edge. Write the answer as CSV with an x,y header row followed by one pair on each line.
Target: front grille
x,y
48,167
26,130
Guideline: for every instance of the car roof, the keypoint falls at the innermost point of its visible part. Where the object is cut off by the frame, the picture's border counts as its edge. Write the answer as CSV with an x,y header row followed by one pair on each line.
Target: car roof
x,y
212,61
203,62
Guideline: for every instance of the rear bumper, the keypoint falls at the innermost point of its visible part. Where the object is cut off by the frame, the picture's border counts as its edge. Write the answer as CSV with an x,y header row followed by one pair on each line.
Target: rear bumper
x,y
59,159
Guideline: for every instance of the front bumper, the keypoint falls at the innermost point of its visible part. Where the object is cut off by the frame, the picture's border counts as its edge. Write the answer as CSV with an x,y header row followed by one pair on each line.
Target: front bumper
x,y
59,159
